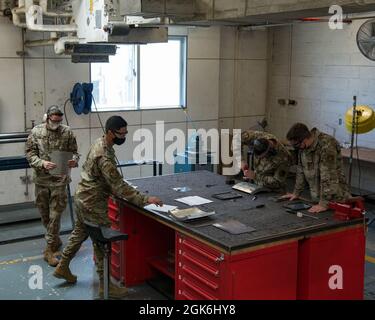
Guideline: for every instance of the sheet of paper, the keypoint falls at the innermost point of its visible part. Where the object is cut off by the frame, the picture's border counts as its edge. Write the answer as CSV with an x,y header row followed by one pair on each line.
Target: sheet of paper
x,y
165,208
61,158
193,200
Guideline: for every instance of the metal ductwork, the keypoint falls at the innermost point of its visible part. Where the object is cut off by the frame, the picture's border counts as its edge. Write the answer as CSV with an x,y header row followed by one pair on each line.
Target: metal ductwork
x,y
158,8
237,12
146,21
78,22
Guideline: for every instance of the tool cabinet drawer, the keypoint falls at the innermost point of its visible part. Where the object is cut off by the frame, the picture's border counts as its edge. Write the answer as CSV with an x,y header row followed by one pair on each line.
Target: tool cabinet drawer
x,y
198,270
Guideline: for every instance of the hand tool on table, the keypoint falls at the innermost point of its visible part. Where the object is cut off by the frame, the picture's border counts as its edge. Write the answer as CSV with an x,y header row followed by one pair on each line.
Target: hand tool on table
x,y
261,205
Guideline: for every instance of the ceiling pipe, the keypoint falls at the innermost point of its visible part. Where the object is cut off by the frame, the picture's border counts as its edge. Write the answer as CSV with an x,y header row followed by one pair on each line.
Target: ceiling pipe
x,y
59,45
42,42
348,20
324,20
262,26
302,20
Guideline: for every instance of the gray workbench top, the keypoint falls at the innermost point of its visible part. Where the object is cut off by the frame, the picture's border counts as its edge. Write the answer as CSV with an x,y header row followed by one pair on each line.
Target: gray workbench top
x,y
272,223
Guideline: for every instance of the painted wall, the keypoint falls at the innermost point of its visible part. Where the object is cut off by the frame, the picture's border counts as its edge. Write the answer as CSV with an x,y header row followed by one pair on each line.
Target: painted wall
x,y
243,78
322,70
226,87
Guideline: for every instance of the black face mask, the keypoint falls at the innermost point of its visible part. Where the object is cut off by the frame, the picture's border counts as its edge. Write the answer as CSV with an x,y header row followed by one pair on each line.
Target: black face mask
x,y
118,141
298,148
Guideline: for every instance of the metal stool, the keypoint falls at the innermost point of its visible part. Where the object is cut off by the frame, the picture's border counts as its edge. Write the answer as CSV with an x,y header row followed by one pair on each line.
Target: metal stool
x,y
104,236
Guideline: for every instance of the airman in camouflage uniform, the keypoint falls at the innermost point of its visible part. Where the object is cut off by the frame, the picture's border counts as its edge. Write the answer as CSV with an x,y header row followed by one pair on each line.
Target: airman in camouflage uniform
x,y
50,190
320,165
271,166
99,179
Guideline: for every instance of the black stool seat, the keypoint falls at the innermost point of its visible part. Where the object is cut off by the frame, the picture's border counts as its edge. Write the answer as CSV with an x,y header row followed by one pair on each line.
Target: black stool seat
x,y
104,234
113,235
104,237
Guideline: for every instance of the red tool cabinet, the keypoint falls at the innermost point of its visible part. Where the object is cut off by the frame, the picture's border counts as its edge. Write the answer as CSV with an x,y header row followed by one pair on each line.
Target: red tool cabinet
x,y
344,251
296,269
149,249
285,258
205,273
199,270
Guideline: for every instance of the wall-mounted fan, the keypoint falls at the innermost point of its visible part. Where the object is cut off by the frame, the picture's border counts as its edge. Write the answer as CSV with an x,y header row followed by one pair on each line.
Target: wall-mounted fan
x,y
366,39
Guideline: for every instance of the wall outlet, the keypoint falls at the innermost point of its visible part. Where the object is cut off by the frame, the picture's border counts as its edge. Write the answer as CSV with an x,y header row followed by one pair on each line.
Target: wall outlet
x,y
282,102
287,102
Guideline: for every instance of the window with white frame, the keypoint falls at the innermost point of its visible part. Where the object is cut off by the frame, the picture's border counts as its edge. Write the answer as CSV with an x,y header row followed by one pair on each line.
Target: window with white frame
x,y
138,77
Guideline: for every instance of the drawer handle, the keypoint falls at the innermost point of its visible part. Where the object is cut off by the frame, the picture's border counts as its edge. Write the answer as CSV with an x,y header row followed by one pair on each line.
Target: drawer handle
x,y
197,290
117,266
201,265
203,253
187,296
115,251
200,278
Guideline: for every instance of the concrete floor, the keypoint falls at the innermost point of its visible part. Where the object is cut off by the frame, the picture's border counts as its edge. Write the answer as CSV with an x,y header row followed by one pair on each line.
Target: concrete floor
x,y
17,258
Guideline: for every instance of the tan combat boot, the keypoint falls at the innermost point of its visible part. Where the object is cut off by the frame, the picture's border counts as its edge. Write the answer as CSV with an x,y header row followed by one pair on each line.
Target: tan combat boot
x,y
114,291
57,246
62,271
50,257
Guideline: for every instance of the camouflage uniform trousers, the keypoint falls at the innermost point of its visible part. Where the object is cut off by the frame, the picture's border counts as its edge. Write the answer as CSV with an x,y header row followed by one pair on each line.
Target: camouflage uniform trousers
x,y
79,235
51,202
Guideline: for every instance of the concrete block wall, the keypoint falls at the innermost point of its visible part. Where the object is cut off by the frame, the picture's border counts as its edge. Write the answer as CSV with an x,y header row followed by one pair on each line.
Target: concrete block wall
x,y
50,78
243,78
322,69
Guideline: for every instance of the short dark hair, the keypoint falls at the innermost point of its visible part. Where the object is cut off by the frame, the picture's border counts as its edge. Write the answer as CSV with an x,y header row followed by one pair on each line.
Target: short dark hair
x,y
298,132
115,123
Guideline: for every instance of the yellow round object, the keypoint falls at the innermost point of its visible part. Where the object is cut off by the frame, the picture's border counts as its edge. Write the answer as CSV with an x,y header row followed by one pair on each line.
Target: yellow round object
x,y
365,119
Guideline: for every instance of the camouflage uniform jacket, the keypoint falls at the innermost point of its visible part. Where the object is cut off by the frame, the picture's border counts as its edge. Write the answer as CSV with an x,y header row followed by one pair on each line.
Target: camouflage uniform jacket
x,y
100,178
40,143
272,171
320,166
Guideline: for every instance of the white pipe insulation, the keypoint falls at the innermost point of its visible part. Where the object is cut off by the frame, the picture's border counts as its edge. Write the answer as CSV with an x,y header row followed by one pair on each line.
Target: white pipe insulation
x,y
34,22
32,12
